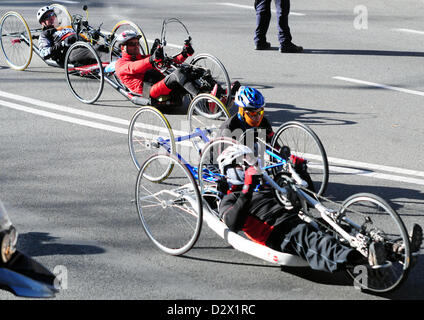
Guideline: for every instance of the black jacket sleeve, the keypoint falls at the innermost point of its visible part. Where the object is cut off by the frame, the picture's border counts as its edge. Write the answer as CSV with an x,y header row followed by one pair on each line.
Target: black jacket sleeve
x,y
234,208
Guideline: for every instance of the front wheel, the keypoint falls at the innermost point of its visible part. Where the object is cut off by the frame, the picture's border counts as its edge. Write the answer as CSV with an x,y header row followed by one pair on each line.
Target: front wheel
x,y
170,210
206,113
378,222
84,72
304,143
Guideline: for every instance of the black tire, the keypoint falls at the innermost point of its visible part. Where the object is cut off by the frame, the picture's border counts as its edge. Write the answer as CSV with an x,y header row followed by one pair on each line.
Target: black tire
x,y
170,210
304,143
84,72
384,225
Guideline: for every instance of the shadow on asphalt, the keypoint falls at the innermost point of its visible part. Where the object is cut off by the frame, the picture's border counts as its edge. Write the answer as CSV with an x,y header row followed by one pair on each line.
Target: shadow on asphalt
x,y
37,244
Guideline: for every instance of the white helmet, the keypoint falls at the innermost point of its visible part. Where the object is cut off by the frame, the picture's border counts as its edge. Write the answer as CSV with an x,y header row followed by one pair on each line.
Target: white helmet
x,y
42,11
232,153
127,35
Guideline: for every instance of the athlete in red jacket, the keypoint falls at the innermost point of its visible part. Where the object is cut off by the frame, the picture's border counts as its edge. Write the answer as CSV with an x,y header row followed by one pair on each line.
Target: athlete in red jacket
x,y
137,71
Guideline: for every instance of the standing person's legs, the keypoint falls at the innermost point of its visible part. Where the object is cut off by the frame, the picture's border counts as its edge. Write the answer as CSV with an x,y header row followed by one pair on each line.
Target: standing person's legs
x,y
283,9
284,34
263,18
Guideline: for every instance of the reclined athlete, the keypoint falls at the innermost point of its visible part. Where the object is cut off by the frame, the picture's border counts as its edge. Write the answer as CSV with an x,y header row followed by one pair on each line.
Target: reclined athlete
x,y
251,115
55,40
138,73
264,220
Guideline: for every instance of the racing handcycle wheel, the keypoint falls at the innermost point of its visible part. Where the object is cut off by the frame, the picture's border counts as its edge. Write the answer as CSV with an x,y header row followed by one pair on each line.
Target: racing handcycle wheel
x,y
221,80
208,172
149,133
205,115
15,40
84,72
304,143
377,221
127,25
170,210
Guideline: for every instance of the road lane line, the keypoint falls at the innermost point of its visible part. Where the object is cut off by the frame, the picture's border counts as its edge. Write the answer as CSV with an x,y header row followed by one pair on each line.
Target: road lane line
x,y
236,5
378,175
409,31
63,118
87,114
367,172
378,85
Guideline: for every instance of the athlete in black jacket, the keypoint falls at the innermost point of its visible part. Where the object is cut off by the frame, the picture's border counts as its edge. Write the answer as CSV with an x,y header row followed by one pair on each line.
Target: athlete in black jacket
x,y
264,220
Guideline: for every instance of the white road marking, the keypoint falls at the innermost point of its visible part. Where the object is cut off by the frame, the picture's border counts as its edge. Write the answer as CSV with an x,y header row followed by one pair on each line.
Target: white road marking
x,y
57,116
230,4
349,166
378,85
409,31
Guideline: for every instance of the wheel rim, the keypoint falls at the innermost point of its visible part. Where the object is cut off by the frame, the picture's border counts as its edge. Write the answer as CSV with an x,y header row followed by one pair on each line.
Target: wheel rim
x,y
150,133
16,41
304,143
129,25
386,227
208,170
206,113
171,210
85,76
218,73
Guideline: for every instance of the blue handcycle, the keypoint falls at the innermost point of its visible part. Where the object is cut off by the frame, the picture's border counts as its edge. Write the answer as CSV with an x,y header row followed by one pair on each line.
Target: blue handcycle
x,y
174,198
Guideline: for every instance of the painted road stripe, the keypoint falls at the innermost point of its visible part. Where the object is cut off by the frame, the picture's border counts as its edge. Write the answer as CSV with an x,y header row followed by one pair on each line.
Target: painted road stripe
x,y
56,116
253,8
79,112
409,31
395,173
378,85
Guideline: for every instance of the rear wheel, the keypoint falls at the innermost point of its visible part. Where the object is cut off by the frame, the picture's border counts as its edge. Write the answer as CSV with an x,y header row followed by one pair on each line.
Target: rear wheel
x,y
84,72
170,210
375,219
221,79
15,40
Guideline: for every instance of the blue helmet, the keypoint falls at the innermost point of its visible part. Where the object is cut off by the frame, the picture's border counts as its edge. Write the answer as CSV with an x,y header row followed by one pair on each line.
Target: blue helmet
x,y
249,98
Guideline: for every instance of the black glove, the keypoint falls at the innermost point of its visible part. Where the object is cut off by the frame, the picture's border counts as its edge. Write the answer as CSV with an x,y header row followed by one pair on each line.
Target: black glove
x,y
157,56
175,79
57,47
222,185
187,49
49,32
70,40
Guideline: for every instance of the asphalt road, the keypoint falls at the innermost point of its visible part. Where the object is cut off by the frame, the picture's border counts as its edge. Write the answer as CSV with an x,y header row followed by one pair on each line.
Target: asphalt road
x,y
68,184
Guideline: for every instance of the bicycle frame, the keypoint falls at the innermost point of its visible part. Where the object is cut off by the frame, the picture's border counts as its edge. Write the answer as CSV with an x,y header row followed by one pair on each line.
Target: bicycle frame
x,y
330,216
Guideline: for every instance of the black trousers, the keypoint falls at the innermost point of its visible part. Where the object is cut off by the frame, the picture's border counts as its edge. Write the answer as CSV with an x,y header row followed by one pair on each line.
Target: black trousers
x,y
322,251
263,18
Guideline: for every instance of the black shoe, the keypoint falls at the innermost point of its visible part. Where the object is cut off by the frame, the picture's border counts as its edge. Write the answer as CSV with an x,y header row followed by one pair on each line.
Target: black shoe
x,y
376,255
263,46
234,87
415,239
291,48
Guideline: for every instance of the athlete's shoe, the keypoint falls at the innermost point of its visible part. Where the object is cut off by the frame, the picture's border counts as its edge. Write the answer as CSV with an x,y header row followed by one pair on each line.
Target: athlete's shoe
x,y
376,254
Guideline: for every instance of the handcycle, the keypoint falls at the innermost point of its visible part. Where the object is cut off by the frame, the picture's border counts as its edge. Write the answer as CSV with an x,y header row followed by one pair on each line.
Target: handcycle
x,y
19,273
206,71
16,40
173,206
